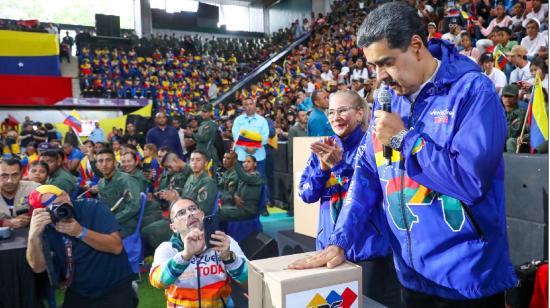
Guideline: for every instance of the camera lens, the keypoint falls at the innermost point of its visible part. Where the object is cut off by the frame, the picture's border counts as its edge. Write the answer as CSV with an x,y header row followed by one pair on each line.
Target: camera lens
x,y
62,212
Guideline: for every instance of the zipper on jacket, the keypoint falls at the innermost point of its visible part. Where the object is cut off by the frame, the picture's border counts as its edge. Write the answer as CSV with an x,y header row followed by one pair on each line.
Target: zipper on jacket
x,y
403,204
403,213
473,221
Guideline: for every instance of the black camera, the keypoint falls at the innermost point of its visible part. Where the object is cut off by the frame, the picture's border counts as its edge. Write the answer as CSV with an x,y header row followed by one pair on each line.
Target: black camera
x,y
59,212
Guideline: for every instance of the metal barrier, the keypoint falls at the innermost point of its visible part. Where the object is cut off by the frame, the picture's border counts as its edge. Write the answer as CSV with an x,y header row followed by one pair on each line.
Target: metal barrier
x,y
256,73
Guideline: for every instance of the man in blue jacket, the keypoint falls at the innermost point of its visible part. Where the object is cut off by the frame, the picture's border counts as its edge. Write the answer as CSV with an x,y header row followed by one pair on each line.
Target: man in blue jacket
x,y
317,124
443,193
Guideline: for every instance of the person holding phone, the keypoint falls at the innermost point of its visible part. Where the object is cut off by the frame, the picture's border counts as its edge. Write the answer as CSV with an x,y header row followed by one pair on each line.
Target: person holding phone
x,y
192,274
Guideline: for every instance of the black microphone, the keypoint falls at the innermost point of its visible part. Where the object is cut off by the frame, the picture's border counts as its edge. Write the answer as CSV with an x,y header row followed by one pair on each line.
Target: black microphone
x,y
384,98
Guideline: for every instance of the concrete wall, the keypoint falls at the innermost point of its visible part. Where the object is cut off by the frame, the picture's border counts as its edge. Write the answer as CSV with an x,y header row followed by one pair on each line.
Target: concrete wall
x,y
285,12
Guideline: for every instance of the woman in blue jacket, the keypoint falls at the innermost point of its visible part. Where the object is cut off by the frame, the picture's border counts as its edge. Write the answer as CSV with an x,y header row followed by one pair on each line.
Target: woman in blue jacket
x,y
327,177
329,170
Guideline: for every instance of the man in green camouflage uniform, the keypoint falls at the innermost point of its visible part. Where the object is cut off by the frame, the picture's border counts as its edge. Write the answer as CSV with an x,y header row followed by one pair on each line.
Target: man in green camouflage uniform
x,y
174,175
58,176
115,185
243,202
227,182
206,135
200,186
514,118
129,164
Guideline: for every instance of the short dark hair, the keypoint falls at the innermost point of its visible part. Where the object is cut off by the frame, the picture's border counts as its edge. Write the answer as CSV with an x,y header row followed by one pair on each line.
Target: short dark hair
x,y
130,146
165,157
396,22
252,157
40,163
201,153
314,95
12,161
532,21
134,155
539,62
88,141
504,29
106,151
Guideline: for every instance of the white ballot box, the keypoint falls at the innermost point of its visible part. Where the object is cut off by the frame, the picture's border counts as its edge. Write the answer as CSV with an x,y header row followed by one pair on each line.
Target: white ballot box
x,y
272,285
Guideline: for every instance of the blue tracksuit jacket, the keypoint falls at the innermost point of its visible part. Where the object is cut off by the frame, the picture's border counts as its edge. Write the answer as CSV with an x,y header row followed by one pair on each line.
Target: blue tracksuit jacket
x,y
443,195
331,188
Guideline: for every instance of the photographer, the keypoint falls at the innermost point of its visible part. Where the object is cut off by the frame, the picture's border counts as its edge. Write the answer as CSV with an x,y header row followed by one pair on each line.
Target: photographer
x,y
80,242
177,262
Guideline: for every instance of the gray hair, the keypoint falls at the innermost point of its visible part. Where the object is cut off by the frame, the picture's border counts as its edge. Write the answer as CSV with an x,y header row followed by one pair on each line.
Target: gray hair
x,y
356,101
396,22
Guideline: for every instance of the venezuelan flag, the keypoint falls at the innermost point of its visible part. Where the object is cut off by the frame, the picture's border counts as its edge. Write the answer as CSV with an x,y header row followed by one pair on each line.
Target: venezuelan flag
x,y
29,53
538,116
73,120
210,168
249,139
500,59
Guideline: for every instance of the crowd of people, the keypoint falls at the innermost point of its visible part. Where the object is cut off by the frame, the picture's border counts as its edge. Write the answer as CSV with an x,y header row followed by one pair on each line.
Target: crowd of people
x,y
177,74
118,180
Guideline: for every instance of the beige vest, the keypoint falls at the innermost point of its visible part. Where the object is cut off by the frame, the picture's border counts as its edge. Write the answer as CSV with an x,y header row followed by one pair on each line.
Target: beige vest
x,y
24,189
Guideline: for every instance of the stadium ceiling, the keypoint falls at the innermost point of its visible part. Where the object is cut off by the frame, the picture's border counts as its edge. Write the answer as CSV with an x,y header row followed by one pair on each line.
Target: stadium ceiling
x,y
232,2
254,3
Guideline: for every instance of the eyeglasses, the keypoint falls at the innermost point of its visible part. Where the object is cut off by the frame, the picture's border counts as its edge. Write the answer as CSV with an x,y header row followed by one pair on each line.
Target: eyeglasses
x,y
183,212
341,112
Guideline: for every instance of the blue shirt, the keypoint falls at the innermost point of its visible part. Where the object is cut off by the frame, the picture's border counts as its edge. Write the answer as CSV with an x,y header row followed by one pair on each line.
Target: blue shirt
x,y
97,135
255,123
306,105
165,137
318,125
96,273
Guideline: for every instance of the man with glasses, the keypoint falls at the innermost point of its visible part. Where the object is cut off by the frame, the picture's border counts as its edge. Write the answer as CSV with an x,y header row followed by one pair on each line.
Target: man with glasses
x,y
13,192
192,274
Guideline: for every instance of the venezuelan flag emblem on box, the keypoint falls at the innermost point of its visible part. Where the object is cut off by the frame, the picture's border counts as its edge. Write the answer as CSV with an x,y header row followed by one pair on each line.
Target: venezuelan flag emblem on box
x,y
29,53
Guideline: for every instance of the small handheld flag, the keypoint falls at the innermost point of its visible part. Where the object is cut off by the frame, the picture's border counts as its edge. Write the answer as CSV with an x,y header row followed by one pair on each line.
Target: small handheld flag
x,y
73,120
538,116
500,59
249,139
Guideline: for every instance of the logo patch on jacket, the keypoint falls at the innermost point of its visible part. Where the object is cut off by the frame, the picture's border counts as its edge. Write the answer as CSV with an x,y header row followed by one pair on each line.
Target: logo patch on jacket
x,y
414,194
442,116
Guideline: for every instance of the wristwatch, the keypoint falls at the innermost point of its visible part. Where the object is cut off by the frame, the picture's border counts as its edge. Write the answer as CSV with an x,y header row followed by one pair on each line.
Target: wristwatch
x,y
397,141
231,258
